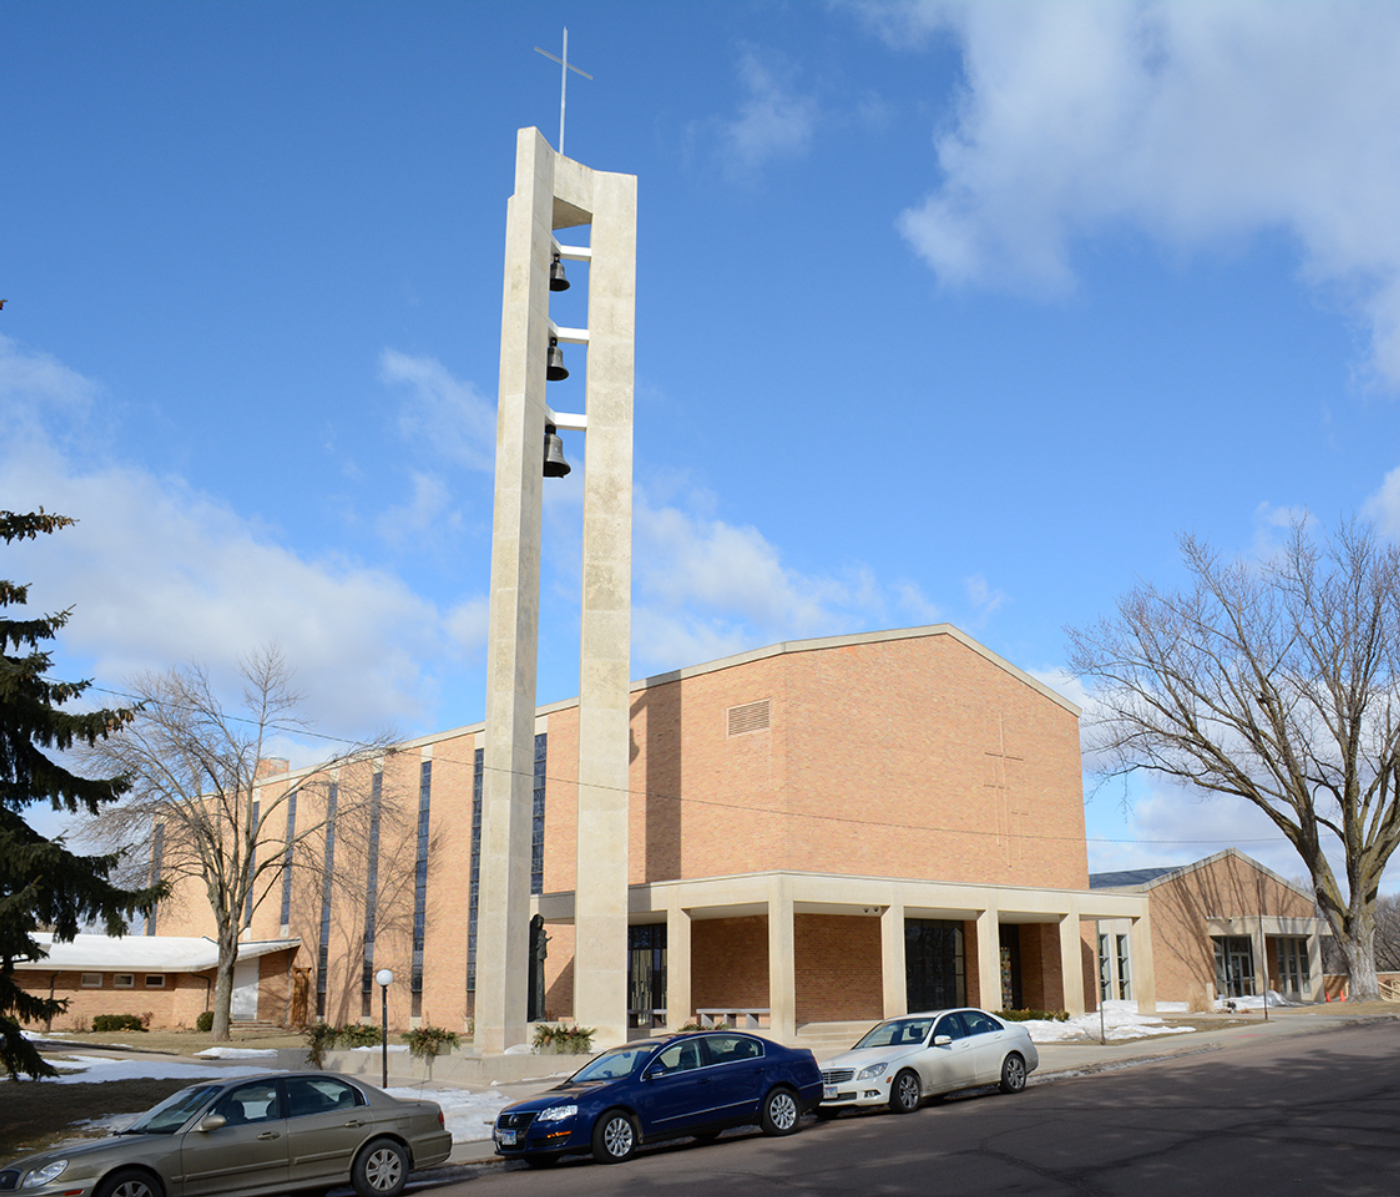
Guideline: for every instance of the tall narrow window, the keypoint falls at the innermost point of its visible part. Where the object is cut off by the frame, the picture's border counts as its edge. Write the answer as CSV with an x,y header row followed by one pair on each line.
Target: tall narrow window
x,y
474,892
327,892
1125,976
252,866
287,861
157,851
376,793
537,816
420,887
1105,970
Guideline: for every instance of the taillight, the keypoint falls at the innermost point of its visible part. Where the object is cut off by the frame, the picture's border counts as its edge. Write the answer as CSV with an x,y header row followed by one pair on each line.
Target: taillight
x,y
442,1122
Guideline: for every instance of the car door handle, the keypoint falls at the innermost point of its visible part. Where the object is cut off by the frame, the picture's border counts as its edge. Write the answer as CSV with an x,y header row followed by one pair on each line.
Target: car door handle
x,y
354,1122
269,1135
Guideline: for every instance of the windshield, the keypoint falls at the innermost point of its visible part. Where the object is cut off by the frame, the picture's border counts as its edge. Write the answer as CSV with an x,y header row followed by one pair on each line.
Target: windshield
x,y
174,1111
899,1031
620,1062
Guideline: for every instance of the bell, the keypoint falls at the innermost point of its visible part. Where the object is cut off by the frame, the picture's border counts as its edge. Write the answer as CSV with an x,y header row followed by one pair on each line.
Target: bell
x,y
554,369
557,279
554,464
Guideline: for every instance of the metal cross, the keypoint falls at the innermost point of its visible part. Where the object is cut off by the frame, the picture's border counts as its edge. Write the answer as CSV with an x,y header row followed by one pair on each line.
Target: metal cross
x,y
564,81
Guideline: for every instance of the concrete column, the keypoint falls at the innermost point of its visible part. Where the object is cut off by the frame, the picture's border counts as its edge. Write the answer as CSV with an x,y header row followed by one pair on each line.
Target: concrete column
x,y
1315,981
1144,974
1071,962
600,904
678,999
782,962
1261,959
893,968
989,958
507,784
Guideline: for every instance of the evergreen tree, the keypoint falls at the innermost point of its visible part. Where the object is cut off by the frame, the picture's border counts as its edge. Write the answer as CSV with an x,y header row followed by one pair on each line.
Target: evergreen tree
x,y
42,884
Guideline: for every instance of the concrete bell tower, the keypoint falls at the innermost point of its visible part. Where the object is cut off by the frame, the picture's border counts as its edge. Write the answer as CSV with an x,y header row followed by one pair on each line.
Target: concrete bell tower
x,y
553,192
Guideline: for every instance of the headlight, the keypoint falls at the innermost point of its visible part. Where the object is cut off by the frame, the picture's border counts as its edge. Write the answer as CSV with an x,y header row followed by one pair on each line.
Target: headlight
x,y
874,1070
43,1175
557,1113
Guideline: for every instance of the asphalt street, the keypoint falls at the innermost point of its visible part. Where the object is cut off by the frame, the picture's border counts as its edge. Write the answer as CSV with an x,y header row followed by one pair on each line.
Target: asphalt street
x,y
1259,1113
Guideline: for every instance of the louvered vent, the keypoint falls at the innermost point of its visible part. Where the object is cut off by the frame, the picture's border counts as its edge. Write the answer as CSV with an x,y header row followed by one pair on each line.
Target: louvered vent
x,y
751,717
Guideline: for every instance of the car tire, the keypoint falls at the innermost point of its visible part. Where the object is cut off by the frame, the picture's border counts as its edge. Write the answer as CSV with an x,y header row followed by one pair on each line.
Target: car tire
x,y
780,1113
905,1092
614,1138
380,1170
129,1182
1013,1073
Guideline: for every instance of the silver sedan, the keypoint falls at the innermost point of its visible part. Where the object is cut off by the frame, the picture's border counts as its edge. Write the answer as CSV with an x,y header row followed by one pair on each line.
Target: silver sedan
x,y
253,1135
901,1061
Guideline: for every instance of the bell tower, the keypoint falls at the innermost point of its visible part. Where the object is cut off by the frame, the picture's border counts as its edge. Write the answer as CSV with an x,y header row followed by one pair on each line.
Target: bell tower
x,y
552,193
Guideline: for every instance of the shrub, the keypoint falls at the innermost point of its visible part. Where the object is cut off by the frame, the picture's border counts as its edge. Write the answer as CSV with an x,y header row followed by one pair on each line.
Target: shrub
x,y
320,1038
426,1042
358,1034
117,1022
1034,1015
563,1041
205,1022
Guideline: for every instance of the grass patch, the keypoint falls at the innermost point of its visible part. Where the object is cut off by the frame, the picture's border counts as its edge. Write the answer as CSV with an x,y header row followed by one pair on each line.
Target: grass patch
x,y
37,1114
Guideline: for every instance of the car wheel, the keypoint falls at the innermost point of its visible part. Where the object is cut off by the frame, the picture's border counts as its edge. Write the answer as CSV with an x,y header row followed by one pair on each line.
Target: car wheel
x,y
904,1093
780,1113
614,1138
1013,1073
129,1182
380,1170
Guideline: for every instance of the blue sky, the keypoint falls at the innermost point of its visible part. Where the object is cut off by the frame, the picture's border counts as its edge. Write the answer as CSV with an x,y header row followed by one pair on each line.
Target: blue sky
x,y
945,312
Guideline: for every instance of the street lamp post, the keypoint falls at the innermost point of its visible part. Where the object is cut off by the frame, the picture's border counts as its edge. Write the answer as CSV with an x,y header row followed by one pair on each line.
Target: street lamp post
x,y
385,978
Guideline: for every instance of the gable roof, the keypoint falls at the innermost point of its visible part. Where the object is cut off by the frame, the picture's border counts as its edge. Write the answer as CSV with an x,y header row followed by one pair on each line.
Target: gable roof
x,y
1142,880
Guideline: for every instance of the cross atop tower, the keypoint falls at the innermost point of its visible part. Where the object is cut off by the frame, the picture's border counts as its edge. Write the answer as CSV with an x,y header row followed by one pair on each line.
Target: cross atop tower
x,y
566,66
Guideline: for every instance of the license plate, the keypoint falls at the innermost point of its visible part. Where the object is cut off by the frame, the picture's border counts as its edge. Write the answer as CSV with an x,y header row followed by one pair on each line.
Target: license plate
x,y
828,1092
506,1138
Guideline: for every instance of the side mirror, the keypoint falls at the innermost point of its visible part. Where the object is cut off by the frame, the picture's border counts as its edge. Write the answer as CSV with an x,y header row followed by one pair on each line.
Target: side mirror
x,y
653,1072
942,1040
212,1123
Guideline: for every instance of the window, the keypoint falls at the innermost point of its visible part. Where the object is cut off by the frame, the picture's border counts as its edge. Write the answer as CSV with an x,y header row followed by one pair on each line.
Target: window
x,y
1292,964
1234,966
91,981
680,1057
1125,977
155,980
250,1103
1105,973
729,1049
123,980
420,888
978,1023
376,797
319,1095
950,1025
323,949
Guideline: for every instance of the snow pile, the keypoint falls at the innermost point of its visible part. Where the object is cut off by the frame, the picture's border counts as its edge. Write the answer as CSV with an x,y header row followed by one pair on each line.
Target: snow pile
x,y
236,1053
90,1069
1276,1001
1120,1022
469,1116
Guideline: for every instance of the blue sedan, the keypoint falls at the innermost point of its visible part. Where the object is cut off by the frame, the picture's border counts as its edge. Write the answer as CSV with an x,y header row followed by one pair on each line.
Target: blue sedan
x,y
690,1084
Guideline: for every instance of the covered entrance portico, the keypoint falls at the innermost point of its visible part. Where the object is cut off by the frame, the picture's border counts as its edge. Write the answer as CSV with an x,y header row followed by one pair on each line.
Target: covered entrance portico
x,y
786,948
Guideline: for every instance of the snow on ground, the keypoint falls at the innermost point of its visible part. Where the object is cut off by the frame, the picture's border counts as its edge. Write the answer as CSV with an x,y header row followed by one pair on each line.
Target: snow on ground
x,y
469,1116
237,1053
90,1069
1121,1022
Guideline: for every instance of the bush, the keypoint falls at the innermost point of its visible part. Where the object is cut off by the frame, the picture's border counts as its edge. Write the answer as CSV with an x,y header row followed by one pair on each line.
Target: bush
x,y
1033,1015
426,1042
205,1022
117,1022
320,1038
358,1034
563,1041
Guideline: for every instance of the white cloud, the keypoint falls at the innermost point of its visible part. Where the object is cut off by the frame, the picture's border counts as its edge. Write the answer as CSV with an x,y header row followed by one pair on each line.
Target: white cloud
x,y
431,498
984,599
1198,123
774,120
1384,506
160,573
444,416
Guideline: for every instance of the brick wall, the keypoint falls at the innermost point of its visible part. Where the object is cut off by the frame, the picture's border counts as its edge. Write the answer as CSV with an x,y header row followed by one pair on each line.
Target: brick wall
x,y
838,968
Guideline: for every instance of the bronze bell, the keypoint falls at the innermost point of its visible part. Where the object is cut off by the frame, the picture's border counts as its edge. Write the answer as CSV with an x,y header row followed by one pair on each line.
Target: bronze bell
x,y
554,369
554,464
558,281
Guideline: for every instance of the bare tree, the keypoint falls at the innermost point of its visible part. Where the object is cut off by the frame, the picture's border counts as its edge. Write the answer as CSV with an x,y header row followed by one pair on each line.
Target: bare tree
x,y
222,823
1275,682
